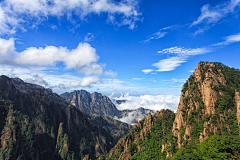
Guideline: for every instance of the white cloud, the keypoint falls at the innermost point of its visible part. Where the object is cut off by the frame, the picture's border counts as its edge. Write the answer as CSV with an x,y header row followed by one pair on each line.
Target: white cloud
x,y
37,80
137,79
161,33
14,13
83,59
181,51
85,82
110,73
134,116
174,80
152,102
233,38
146,71
211,15
89,37
169,64
156,35
182,54
7,47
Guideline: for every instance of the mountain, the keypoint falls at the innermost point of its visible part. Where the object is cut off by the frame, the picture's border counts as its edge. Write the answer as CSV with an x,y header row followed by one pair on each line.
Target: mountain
x,y
96,103
206,125
36,123
146,133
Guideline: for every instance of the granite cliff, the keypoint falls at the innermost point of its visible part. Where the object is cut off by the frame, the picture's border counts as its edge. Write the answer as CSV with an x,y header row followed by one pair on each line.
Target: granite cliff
x,y
206,125
36,123
96,103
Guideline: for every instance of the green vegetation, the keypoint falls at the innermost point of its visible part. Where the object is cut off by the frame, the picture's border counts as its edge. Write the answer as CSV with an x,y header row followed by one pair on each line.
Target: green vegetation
x,y
214,147
18,131
151,146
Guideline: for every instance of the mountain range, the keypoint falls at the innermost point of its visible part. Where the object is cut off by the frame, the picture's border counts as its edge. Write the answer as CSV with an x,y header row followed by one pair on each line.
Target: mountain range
x,y
96,103
36,123
206,125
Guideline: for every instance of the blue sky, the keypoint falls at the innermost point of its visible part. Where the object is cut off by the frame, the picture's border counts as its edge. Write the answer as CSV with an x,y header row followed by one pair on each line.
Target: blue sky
x,y
140,47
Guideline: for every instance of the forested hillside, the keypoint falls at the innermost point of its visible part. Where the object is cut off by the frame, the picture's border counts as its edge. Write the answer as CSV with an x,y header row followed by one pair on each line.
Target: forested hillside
x,y
206,125
36,123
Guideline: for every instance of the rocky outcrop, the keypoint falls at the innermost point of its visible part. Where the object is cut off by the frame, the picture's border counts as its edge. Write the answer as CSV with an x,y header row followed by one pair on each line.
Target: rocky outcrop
x,y
237,99
209,107
206,100
94,103
154,125
48,126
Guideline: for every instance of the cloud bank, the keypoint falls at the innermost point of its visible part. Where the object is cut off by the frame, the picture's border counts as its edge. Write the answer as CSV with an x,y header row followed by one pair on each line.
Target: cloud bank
x,y
85,82
152,102
14,14
83,58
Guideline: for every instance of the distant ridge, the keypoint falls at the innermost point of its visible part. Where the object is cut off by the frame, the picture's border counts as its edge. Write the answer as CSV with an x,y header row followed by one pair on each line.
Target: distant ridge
x,y
96,103
37,124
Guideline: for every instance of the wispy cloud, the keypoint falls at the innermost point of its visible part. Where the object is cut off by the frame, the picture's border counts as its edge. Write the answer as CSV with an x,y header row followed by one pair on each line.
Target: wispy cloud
x,y
180,55
89,37
146,71
172,63
211,15
15,13
156,35
110,73
85,82
181,51
37,80
137,79
174,80
159,34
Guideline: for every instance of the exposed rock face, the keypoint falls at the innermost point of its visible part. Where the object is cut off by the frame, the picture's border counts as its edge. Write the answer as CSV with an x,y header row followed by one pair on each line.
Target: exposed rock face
x,y
209,105
129,144
96,103
237,98
205,101
91,103
46,126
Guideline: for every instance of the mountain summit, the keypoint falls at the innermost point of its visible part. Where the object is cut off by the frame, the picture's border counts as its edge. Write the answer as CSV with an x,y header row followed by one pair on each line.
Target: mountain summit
x,y
206,125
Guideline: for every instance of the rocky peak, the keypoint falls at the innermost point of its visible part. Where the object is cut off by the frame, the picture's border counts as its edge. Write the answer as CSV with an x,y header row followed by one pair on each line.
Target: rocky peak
x,y
91,103
206,101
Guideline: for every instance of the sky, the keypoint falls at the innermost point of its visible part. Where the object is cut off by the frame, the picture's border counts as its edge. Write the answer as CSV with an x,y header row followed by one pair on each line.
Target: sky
x,y
116,47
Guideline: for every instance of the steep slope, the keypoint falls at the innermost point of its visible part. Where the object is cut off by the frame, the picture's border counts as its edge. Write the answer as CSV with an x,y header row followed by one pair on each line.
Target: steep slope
x,y
208,104
39,124
206,125
94,103
146,136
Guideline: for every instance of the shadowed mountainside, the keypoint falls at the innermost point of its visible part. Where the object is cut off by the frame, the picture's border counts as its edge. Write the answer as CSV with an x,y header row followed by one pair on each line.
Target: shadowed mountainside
x,y
39,124
96,103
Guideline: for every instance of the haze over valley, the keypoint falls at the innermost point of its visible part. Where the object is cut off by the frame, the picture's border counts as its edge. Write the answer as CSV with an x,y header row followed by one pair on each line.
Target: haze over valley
x,y
119,79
